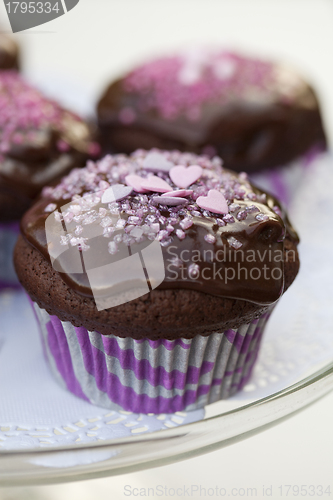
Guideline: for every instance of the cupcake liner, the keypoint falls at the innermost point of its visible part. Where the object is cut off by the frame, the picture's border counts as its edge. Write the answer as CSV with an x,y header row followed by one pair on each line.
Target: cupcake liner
x,y
284,181
146,376
8,236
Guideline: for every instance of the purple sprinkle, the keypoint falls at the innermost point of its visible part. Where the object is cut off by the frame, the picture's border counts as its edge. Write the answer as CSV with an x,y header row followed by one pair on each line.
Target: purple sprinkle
x,y
210,238
262,217
162,234
151,218
180,234
242,215
229,219
50,207
120,223
134,220
186,223
171,201
234,243
220,222
155,227
251,209
166,242
136,233
233,207
106,222
58,216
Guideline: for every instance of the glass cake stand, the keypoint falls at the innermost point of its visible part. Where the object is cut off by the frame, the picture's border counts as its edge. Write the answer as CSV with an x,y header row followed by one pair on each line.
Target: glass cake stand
x,y
118,456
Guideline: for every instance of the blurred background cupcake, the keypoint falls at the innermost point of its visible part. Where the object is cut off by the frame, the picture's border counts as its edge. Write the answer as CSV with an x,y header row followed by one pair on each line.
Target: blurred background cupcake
x,y
258,116
40,142
9,53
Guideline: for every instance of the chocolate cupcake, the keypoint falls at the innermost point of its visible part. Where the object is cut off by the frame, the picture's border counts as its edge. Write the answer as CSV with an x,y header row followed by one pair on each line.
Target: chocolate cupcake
x,y
256,115
9,53
153,277
40,142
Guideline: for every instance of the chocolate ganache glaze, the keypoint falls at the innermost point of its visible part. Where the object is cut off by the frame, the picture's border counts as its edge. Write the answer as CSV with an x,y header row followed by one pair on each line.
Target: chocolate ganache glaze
x,y
40,142
252,113
219,234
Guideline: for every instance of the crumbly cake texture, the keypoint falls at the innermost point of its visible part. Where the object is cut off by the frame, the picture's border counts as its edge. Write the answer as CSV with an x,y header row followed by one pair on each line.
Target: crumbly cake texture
x,y
224,202
253,113
40,142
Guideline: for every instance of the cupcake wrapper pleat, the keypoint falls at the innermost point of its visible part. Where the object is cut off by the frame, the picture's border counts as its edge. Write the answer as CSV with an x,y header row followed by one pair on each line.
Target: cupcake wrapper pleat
x,y
8,236
146,376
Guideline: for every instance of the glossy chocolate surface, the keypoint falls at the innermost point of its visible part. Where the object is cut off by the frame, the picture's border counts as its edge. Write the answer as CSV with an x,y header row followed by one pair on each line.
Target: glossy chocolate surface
x,y
251,113
216,253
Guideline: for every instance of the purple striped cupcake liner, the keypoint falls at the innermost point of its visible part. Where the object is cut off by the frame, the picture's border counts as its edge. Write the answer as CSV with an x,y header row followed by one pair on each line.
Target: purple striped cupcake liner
x,y
146,376
8,237
284,181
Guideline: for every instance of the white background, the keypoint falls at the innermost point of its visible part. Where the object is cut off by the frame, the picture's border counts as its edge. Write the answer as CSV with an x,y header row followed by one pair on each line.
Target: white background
x,y
98,40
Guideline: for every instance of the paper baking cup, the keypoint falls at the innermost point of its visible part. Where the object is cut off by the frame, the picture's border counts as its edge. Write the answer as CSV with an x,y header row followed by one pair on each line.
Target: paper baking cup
x,y
284,181
8,236
146,376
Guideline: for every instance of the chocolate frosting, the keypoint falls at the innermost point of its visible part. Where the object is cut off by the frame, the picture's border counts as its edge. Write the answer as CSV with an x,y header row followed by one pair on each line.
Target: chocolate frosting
x,y
40,142
253,114
9,53
236,254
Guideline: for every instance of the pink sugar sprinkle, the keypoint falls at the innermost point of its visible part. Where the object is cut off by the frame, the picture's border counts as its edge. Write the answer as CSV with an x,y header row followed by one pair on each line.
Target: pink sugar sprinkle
x,y
210,238
262,217
180,234
135,216
24,109
182,84
186,223
234,243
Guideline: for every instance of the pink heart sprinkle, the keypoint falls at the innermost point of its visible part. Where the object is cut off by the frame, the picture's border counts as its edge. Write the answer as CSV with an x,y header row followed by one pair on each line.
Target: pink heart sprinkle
x,y
184,177
156,184
171,201
214,202
179,192
135,182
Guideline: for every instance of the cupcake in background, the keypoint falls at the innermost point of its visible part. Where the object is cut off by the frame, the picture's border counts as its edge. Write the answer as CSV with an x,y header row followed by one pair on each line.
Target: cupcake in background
x,y
153,277
39,143
259,116
9,53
